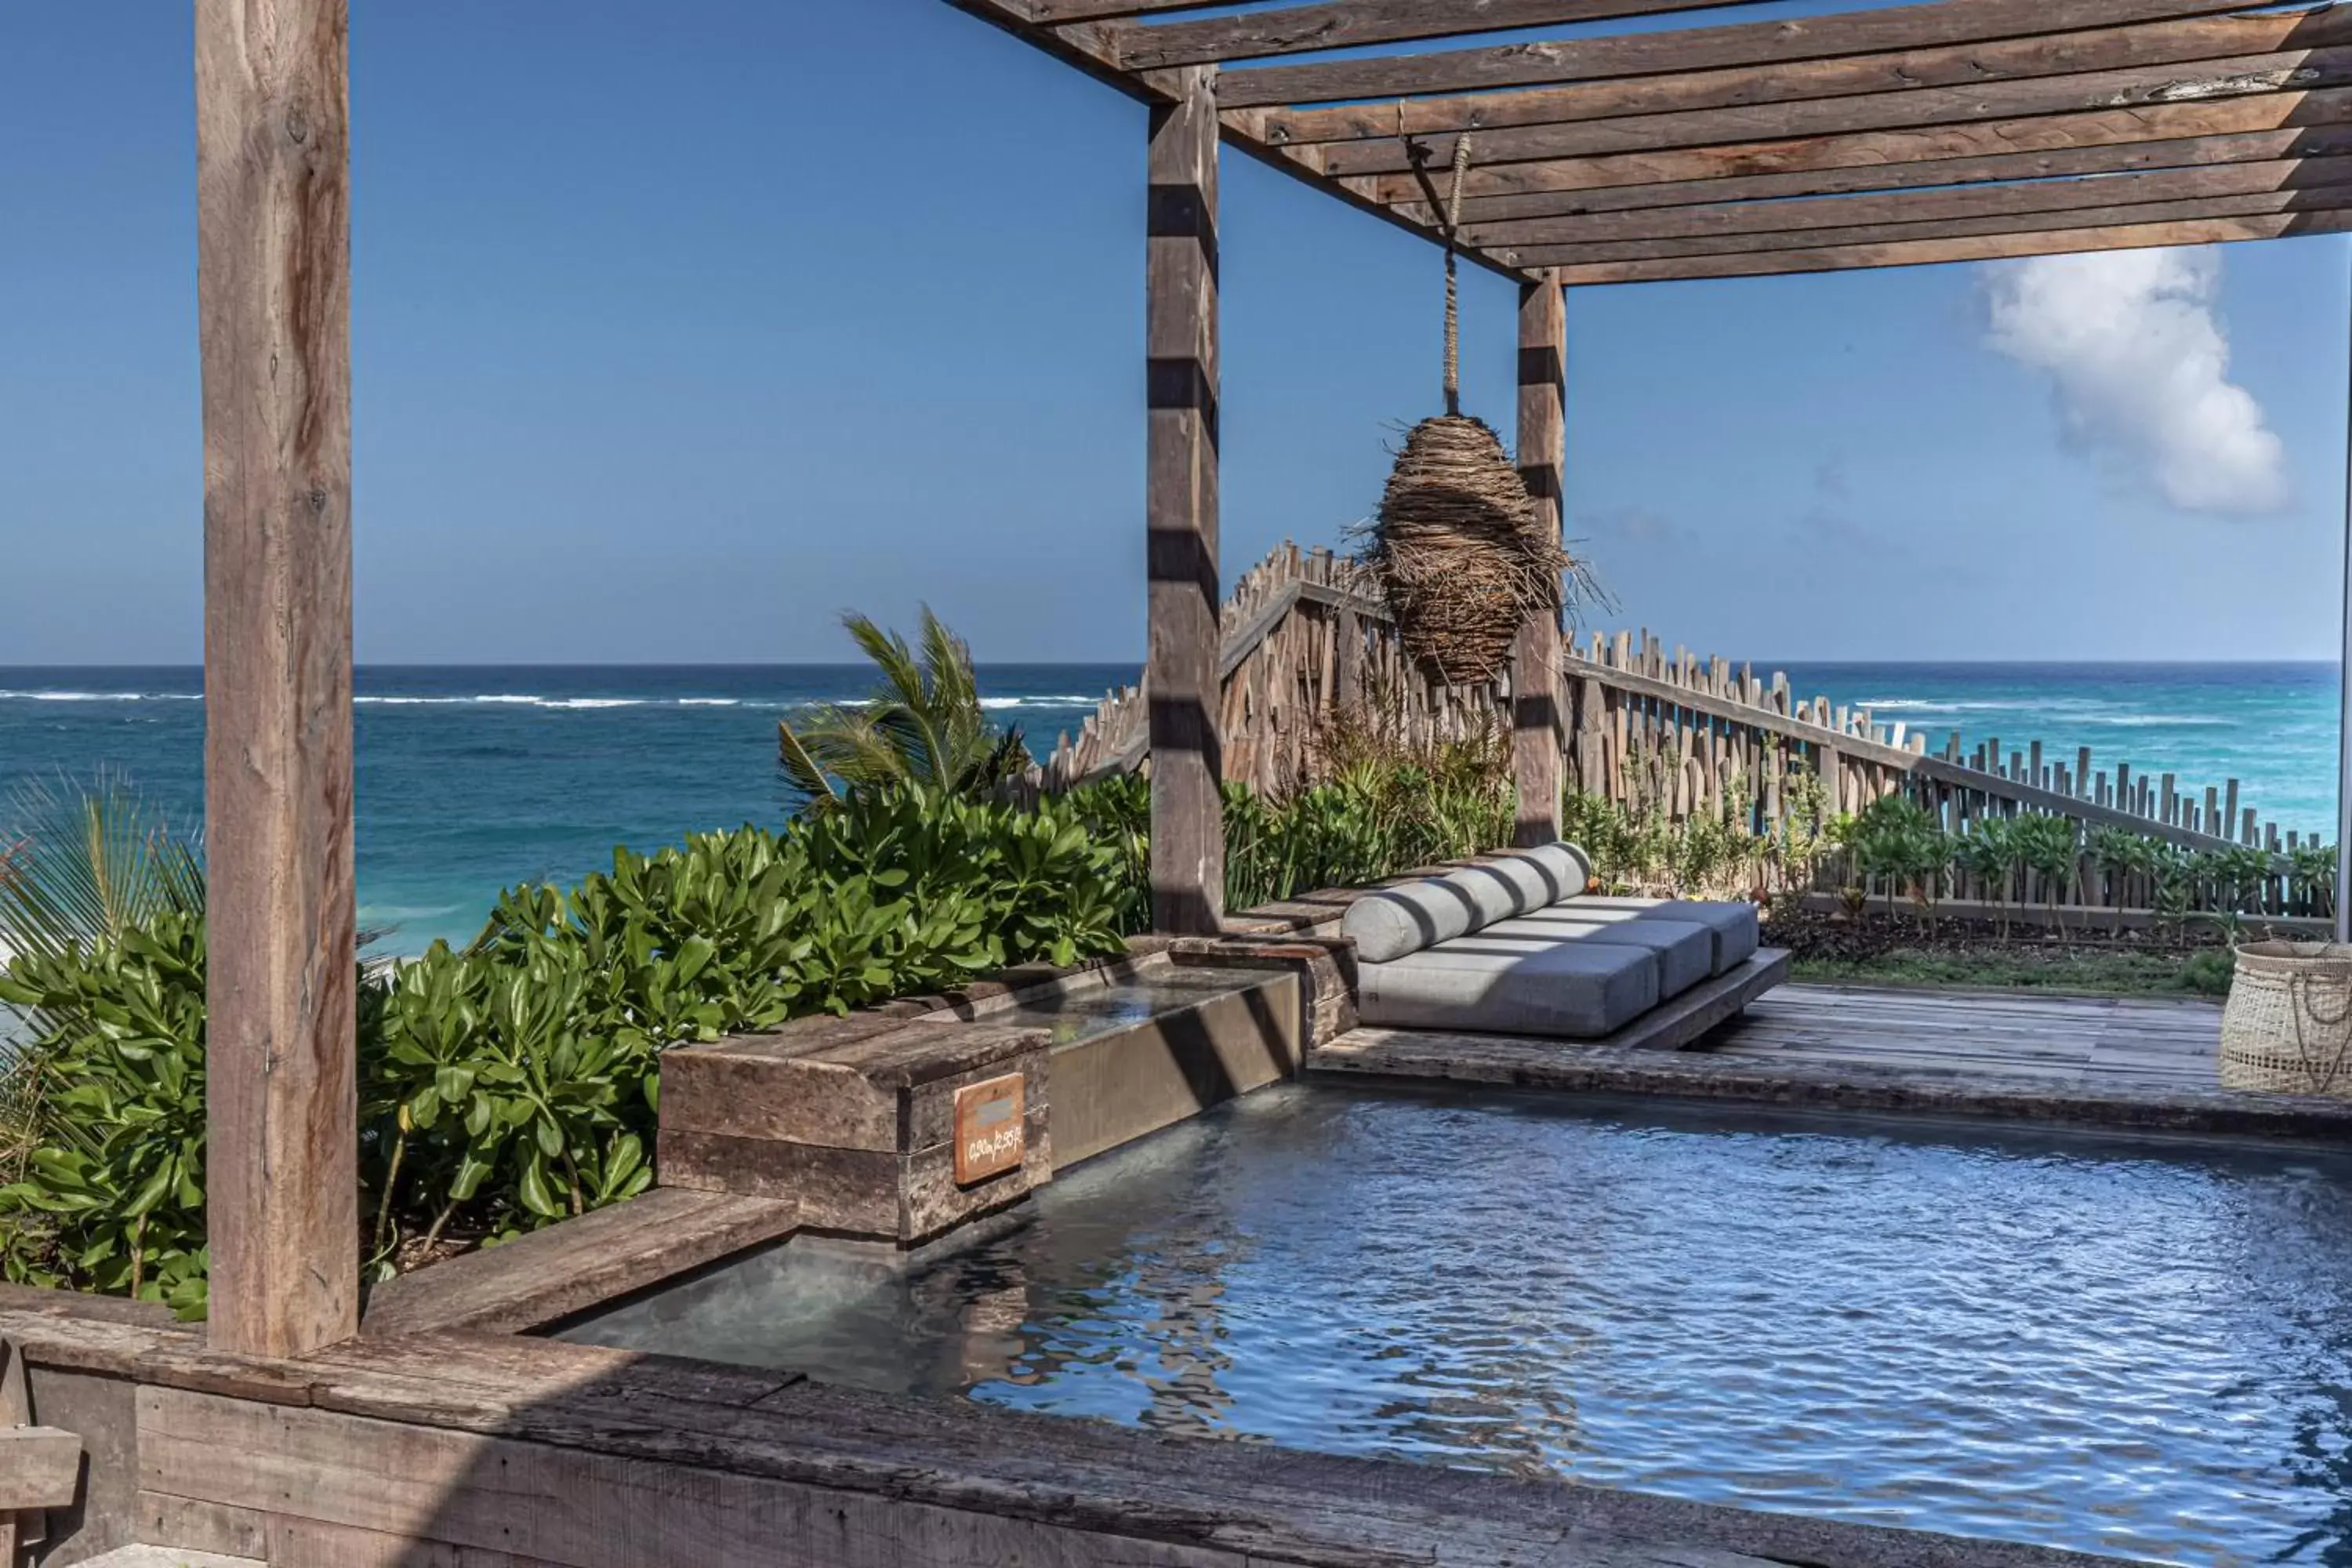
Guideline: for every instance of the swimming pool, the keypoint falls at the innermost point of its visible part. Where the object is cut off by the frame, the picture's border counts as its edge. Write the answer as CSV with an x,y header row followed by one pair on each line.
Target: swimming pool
x,y
2135,1346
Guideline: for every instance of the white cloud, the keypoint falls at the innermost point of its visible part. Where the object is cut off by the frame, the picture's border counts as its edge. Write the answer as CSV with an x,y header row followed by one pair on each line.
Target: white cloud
x,y
2140,361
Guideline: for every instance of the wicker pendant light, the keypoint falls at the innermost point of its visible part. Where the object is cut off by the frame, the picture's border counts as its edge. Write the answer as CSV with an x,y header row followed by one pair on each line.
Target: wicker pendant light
x,y
1463,553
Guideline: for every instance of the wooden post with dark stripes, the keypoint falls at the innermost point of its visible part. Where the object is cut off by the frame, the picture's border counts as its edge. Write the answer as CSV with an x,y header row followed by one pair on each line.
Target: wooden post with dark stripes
x,y
1188,829
274,315
1537,731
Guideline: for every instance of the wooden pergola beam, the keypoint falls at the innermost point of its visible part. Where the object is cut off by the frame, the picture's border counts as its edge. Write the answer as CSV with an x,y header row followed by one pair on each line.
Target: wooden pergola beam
x,y
1881,150
2056,197
1953,64
2322,199
1054,11
1939,23
281,1198
1181,682
1352,24
1991,247
2278,79
2290,146
1085,48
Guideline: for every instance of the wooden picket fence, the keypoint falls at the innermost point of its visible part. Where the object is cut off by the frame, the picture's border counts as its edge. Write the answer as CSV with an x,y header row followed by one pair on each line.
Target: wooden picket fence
x,y
1681,736
1305,632
1668,734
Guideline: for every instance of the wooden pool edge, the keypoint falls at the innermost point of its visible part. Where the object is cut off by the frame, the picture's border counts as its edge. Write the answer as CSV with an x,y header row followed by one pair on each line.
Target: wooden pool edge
x,y
515,1453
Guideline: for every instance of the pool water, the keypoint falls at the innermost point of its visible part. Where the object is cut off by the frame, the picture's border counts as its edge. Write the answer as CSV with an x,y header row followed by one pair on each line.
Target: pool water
x,y
2136,1346
1086,1009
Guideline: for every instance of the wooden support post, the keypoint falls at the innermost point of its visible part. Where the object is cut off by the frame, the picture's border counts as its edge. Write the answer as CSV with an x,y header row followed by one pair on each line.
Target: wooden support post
x,y
1188,829
274,313
1536,732
2343,897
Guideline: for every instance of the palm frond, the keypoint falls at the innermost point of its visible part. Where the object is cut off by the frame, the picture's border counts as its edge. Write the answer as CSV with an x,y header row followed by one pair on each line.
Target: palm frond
x,y
902,673
925,724
87,863
801,767
947,660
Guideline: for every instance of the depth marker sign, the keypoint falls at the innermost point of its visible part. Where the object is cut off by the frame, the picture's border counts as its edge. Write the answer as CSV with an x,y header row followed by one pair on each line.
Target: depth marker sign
x,y
991,1129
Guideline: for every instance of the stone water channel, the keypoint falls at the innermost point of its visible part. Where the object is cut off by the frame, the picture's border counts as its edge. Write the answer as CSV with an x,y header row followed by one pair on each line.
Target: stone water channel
x,y
2132,1345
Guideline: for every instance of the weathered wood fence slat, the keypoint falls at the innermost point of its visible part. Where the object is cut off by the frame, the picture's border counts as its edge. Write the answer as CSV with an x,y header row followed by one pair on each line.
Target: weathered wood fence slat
x,y
1305,632
1667,732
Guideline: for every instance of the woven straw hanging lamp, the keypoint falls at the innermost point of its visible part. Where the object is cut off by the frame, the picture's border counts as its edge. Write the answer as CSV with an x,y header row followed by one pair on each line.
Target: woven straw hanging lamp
x,y
1463,553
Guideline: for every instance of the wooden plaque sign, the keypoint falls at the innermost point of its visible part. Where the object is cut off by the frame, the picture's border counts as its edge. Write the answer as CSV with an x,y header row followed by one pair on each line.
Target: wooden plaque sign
x,y
991,1129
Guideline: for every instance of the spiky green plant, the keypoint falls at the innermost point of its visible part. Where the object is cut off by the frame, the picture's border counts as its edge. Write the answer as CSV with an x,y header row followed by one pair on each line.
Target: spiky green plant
x,y
79,865
2051,846
85,864
1988,851
924,725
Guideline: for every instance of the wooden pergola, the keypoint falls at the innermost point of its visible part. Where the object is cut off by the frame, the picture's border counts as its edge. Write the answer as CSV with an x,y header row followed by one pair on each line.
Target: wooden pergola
x,y
1959,129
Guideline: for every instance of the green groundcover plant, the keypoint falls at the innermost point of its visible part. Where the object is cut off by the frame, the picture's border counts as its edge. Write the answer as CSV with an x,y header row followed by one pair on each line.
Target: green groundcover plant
x,y
514,1082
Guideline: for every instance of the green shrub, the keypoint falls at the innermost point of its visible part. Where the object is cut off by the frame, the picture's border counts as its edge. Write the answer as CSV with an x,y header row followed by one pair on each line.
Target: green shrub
x,y
1897,842
515,1082
113,1198
2209,971
1116,813
1386,805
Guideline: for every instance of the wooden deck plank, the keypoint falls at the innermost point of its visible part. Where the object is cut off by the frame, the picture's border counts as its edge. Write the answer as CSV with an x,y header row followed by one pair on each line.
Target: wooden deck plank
x,y
2104,1061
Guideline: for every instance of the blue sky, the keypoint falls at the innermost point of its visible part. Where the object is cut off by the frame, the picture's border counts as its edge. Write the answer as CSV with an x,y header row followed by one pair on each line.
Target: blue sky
x,y
680,328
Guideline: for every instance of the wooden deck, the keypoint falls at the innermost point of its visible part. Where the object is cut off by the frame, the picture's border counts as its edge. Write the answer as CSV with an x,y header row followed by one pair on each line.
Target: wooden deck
x,y
2107,1061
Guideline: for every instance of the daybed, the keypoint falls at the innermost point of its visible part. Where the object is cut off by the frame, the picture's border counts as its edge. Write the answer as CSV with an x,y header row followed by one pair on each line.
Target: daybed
x,y
1515,944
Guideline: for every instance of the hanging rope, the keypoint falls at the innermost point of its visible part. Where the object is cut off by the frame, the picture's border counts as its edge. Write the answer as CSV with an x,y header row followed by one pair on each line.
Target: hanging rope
x,y
1464,557
1452,286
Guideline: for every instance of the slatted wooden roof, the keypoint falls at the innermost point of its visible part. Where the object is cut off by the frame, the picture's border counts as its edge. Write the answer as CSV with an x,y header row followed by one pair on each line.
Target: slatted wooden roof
x,y
1959,129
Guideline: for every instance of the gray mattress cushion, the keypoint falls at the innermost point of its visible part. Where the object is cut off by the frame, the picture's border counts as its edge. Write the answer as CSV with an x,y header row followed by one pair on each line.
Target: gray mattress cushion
x,y
1395,921
1550,873
1569,867
1529,884
1737,933
1569,990
1495,892
1685,951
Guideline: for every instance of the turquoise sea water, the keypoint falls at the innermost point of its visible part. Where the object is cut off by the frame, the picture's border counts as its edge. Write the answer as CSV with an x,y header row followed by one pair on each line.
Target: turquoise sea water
x,y
2272,727
474,779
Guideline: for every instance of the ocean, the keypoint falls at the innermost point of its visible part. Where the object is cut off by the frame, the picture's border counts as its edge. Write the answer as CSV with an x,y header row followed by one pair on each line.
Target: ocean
x,y
471,780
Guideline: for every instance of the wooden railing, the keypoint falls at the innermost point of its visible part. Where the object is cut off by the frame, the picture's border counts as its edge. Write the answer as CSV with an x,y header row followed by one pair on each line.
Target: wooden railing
x,y
1665,732
1676,735
1715,718
1305,632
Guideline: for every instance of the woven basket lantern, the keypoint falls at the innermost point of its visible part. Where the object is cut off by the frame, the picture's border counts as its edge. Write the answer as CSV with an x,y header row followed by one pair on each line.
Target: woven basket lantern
x,y
1465,555
2287,1028
1463,552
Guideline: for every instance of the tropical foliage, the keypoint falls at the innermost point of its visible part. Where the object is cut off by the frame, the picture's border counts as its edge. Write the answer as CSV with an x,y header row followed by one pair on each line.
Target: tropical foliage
x,y
85,865
514,1082
77,867
110,1193
1639,844
1895,842
925,724
1381,803
1895,847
